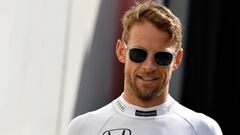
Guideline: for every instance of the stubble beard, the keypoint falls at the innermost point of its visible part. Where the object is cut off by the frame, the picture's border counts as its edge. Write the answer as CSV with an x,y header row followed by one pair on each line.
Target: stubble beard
x,y
143,94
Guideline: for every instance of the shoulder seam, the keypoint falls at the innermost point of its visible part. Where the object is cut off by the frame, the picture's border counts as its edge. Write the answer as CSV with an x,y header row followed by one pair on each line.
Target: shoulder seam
x,y
115,113
187,122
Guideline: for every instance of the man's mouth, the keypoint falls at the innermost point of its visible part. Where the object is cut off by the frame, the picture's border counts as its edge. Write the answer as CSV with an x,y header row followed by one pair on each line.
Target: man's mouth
x,y
148,78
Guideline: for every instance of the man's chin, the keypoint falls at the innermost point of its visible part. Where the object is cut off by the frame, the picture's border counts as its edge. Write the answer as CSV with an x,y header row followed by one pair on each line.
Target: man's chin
x,y
146,96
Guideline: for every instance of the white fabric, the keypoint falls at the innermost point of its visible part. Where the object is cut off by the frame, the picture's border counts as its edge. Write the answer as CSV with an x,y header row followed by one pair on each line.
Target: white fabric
x,y
119,118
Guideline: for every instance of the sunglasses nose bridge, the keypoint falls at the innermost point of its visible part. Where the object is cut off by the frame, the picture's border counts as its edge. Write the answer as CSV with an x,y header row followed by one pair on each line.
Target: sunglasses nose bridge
x,y
149,63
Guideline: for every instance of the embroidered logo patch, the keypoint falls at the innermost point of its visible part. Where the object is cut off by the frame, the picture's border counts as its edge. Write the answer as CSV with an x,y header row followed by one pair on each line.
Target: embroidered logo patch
x,y
146,113
120,105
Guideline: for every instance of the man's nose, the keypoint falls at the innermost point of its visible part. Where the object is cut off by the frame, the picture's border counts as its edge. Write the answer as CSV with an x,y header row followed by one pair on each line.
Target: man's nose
x,y
150,64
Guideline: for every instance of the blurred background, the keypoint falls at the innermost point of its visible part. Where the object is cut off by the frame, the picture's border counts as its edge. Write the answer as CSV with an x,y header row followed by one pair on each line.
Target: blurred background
x,y
57,61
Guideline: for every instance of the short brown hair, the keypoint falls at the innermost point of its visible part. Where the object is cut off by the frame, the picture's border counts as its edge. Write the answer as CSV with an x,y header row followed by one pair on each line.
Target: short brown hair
x,y
158,15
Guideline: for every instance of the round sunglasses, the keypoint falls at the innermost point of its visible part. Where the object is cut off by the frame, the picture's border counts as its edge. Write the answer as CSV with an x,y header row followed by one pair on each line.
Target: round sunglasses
x,y
138,55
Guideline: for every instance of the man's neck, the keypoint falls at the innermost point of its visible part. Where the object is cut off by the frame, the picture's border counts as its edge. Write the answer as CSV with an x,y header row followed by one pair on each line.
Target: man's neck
x,y
132,99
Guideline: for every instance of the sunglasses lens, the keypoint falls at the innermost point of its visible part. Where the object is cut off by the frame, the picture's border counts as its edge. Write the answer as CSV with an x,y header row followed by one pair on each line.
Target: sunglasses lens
x,y
137,55
163,58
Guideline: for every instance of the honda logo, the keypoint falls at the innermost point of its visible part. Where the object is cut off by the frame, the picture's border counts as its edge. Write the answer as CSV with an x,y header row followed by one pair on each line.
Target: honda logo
x,y
120,131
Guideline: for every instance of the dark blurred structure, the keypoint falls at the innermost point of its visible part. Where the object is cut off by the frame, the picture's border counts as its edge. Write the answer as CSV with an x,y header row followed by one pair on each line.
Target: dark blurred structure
x,y
211,75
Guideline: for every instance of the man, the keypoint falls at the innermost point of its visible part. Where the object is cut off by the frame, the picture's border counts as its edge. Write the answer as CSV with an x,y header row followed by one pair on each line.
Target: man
x,y
151,50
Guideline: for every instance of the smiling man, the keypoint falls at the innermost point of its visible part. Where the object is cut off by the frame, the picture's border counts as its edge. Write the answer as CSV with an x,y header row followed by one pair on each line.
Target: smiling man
x,y
151,50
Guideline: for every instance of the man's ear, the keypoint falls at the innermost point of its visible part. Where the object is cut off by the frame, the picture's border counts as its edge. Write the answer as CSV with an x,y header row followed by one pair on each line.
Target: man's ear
x,y
120,51
178,59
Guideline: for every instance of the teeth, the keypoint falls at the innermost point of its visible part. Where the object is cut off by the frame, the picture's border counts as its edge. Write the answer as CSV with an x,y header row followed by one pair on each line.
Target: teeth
x,y
148,78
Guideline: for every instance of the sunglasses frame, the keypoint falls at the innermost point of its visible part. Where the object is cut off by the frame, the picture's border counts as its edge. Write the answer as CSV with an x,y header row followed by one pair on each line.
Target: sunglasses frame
x,y
174,54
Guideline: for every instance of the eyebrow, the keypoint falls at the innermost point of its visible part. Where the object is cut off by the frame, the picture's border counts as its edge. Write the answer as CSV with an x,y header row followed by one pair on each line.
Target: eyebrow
x,y
127,48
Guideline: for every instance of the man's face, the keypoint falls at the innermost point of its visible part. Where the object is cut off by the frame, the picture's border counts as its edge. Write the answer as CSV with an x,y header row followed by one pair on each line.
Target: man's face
x,y
147,80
